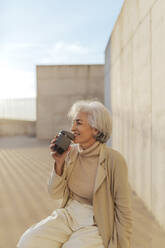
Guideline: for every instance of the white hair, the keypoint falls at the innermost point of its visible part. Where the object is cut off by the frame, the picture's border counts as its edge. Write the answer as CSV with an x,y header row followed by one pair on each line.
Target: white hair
x,y
98,117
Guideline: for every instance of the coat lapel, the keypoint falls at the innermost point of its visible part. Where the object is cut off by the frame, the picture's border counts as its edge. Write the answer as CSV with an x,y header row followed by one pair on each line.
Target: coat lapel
x,y
101,171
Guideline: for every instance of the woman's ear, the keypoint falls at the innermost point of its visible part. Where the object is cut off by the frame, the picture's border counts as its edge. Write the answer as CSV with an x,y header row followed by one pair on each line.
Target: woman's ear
x,y
99,136
95,132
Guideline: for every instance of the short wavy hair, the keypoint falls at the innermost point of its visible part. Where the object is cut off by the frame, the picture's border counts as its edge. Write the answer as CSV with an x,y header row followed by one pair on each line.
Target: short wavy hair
x,y
99,117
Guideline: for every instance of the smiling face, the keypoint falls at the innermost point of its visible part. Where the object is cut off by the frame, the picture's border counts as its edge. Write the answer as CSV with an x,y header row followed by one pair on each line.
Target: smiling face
x,y
84,133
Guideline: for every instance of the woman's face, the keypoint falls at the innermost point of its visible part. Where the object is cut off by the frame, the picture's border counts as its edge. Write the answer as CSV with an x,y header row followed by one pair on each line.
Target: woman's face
x,y
84,133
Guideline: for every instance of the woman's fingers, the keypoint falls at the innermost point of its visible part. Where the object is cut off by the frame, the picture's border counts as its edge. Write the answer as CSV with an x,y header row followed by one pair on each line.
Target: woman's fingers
x,y
51,145
54,139
59,158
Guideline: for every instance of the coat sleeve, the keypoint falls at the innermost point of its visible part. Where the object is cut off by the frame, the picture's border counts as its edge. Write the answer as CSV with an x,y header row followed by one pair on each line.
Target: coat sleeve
x,y
57,185
122,202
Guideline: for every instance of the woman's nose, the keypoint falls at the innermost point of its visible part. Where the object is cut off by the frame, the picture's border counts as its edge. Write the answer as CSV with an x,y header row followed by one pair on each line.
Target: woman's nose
x,y
73,127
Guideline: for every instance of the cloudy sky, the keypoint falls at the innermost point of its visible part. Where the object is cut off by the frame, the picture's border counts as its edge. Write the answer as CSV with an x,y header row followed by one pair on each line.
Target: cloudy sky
x,y
46,32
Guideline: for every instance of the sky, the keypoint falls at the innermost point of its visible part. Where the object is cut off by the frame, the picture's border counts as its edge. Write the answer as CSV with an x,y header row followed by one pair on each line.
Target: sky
x,y
50,32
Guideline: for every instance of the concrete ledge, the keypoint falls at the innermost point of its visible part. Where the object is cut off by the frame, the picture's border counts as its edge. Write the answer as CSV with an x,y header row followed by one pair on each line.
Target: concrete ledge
x,y
9,127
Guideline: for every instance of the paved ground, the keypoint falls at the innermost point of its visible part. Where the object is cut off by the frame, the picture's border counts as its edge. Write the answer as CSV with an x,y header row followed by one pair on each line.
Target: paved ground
x,y
25,165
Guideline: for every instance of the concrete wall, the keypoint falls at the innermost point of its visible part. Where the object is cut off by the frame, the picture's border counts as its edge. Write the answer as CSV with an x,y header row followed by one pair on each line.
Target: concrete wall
x,y
10,127
134,69
58,87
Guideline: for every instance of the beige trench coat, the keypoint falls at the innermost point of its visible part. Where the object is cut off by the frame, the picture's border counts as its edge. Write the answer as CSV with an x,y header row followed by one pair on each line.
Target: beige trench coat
x,y
111,199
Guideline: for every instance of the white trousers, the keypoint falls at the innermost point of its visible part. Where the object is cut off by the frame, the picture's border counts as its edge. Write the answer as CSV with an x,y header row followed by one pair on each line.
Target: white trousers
x,y
69,227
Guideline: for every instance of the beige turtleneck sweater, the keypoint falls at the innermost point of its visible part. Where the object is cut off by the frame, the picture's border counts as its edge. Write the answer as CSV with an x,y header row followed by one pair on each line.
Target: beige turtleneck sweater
x,y
82,180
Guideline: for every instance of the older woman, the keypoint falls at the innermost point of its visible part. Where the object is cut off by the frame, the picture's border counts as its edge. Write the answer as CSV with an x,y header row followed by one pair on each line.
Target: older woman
x,y
91,181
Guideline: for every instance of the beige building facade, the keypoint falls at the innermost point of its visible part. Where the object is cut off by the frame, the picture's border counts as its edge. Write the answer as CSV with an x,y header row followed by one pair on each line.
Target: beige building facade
x,y
134,73
58,87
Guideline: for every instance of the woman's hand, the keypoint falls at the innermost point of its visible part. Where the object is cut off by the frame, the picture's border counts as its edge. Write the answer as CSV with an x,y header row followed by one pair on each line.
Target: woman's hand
x,y
59,158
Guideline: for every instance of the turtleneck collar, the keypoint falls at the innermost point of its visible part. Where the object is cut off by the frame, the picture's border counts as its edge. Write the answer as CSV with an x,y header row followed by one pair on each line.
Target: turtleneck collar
x,y
93,150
